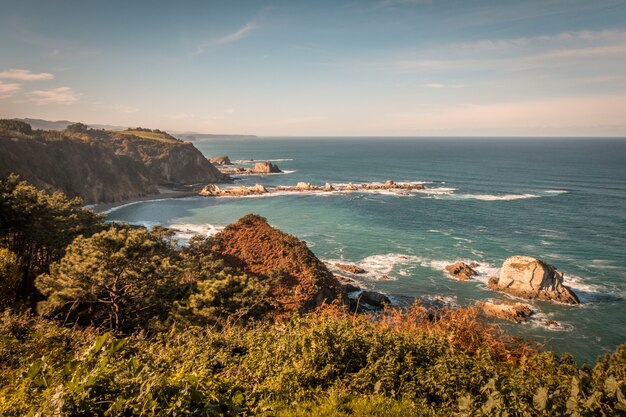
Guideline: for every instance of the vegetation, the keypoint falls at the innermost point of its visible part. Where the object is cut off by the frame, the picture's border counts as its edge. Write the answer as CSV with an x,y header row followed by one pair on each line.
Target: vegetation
x,y
131,324
152,134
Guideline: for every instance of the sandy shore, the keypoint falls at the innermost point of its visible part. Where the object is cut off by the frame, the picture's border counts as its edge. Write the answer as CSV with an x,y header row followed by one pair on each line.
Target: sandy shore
x,y
163,193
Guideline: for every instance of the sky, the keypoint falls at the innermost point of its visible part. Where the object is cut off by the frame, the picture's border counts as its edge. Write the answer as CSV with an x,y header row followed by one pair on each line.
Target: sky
x,y
320,68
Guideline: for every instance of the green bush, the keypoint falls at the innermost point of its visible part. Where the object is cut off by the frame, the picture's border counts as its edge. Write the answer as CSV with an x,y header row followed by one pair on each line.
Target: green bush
x,y
10,277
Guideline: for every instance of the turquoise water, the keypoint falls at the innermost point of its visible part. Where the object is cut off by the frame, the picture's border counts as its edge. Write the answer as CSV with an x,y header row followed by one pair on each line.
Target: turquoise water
x,y
561,200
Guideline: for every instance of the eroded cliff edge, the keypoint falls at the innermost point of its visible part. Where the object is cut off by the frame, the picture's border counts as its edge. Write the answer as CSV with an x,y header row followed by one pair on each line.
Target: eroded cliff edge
x,y
101,166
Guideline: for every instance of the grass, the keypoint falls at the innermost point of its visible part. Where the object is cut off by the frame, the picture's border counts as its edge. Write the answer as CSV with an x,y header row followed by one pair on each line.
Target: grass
x,y
160,137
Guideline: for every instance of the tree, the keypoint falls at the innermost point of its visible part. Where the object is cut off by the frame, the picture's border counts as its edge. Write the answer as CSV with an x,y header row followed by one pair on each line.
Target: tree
x,y
9,277
38,226
218,291
121,278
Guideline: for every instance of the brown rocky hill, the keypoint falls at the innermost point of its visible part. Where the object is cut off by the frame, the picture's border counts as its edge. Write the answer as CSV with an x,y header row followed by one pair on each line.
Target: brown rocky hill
x,y
298,280
101,166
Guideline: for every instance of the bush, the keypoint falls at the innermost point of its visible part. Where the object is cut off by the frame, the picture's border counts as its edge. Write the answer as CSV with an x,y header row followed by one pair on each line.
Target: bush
x,y
10,277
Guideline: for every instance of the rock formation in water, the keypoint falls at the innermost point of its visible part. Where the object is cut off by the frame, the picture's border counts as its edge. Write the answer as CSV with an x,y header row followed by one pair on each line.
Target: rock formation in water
x,y
298,280
461,270
515,312
301,187
353,269
266,168
221,160
101,166
528,277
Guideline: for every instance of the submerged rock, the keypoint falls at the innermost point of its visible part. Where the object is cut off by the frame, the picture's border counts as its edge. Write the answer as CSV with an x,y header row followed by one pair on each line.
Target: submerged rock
x,y
374,299
353,269
528,277
515,312
461,270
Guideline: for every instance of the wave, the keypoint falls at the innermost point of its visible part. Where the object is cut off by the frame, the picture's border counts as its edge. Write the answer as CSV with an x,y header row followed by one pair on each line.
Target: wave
x,y
495,197
187,231
254,161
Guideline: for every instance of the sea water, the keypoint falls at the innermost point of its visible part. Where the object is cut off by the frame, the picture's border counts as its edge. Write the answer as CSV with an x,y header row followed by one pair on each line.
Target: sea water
x,y
561,200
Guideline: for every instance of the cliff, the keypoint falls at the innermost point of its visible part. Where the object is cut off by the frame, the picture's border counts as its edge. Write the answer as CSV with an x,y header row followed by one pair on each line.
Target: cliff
x,y
298,280
101,166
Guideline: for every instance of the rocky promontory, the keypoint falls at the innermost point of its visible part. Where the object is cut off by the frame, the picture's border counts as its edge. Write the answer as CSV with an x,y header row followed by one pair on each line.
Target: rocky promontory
x,y
298,280
531,278
101,166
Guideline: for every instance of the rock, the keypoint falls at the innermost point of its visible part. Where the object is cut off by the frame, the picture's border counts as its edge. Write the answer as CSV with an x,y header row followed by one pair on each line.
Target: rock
x,y
515,312
461,270
350,288
328,187
528,277
221,160
257,249
265,168
303,186
353,269
384,277
258,189
390,184
211,190
373,299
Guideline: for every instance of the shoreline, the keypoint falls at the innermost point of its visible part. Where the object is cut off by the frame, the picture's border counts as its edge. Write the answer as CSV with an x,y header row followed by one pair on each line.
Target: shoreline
x,y
103,208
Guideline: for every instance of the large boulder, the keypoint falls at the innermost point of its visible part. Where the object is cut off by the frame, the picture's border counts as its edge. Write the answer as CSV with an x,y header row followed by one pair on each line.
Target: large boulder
x,y
531,278
266,168
461,270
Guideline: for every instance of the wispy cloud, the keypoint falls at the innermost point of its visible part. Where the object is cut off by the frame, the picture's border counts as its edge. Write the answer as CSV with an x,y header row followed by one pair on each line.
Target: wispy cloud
x,y
9,89
60,95
120,108
439,85
25,75
240,34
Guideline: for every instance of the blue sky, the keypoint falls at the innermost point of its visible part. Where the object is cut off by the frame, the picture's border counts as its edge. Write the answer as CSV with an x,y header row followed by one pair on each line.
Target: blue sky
x,y
383,67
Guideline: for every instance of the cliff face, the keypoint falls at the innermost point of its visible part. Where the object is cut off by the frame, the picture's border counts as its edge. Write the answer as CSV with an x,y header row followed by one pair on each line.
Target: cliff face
x,y
89,171
298,280
101,166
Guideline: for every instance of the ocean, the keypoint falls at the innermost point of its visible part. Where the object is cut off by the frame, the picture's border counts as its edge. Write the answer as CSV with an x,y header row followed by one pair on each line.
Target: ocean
x,y
560,200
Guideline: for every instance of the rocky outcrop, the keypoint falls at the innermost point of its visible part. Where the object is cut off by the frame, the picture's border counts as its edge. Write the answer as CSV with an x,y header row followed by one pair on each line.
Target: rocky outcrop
x,y
102,166
298,280
213,190
528,277
302,187
515,312
373,299
353,269
266,168
461,270
221,160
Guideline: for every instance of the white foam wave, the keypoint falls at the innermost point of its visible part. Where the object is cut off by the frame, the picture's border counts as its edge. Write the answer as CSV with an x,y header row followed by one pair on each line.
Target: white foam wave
x,y
495,197
187,231
557,191
603,264
254,161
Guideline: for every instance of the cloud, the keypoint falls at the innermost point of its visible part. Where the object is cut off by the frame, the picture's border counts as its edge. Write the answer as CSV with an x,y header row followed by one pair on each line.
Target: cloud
x,y
438,85
182,116
25,75
60,95
9,89
120,108
235,36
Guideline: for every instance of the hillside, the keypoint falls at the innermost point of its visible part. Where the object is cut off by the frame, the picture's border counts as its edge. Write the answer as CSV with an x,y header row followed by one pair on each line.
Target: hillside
x,y
101,166
298,280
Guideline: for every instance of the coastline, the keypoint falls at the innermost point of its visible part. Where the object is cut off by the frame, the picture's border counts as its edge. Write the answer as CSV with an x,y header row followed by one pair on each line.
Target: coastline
x,y
163,193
